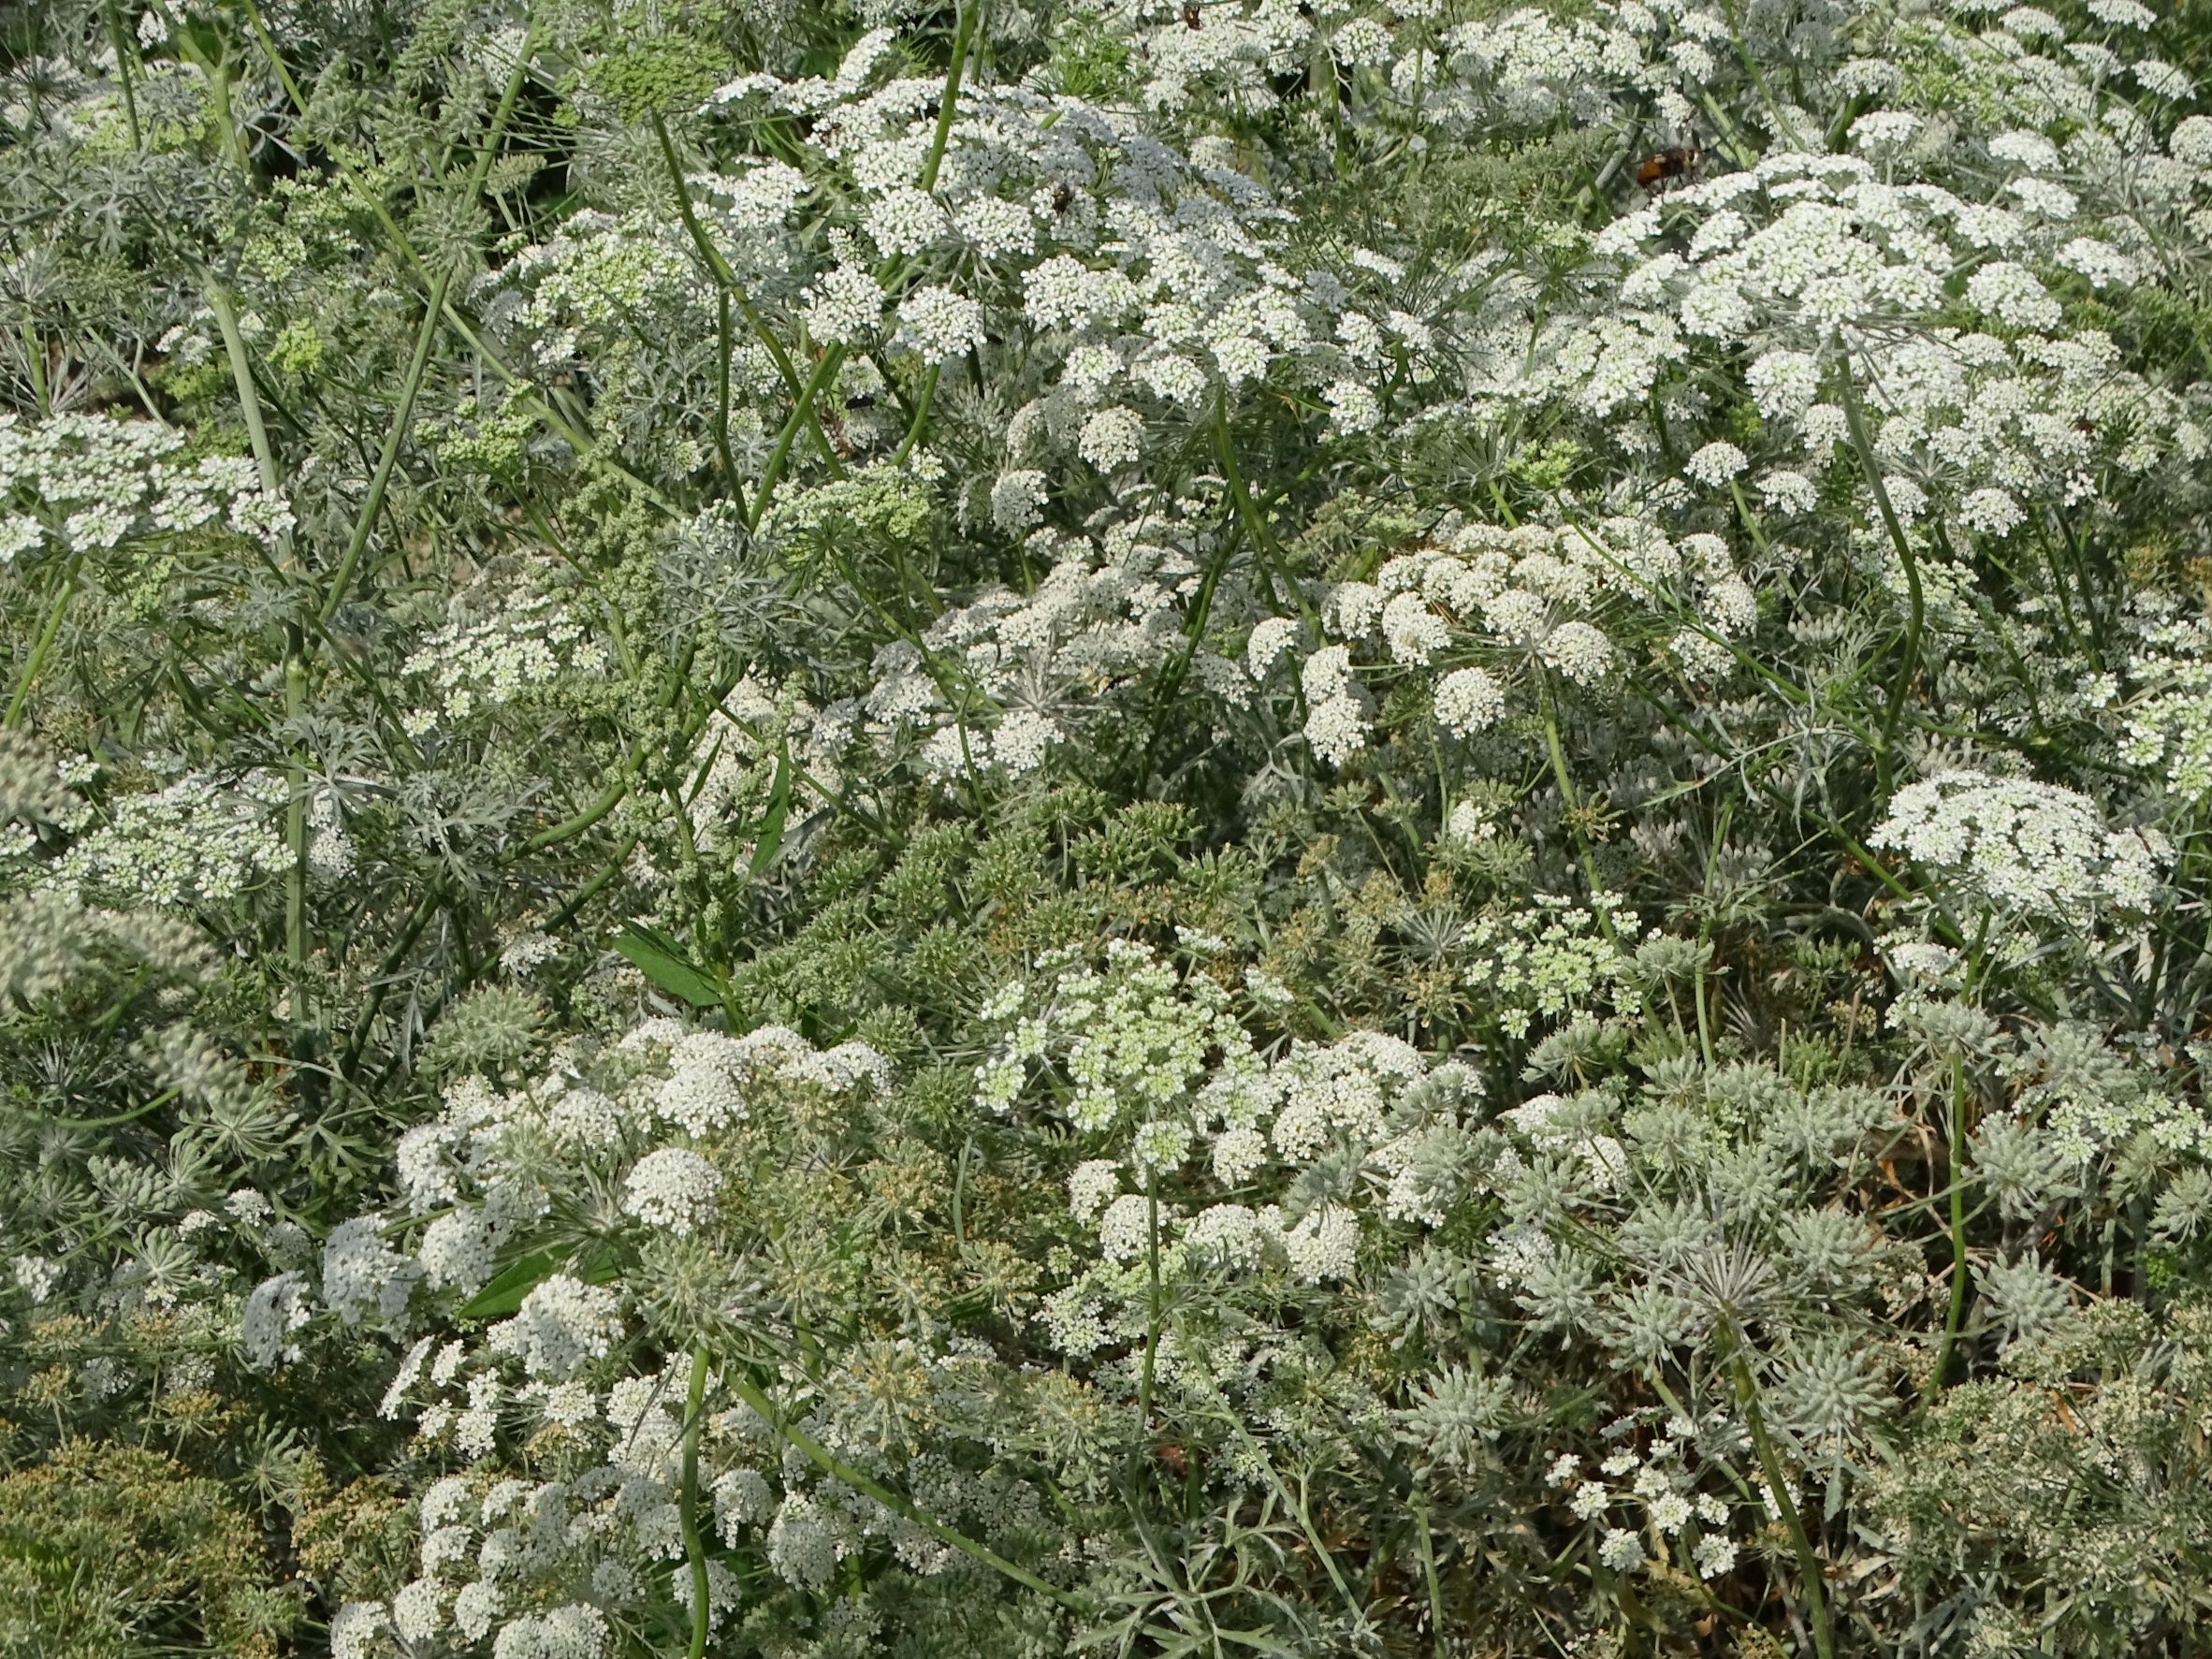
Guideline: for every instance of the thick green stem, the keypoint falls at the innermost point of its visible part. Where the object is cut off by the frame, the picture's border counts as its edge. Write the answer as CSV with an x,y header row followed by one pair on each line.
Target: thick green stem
x,y
389,458
1955,1316
1421,1521
724,279
219,80
833,358
370,197
948,106
921,420
825,370
1720,834
265,464
729,289
1140,1448
688,1501
123,58
425,909
1816,1601
248,400
1574,821
963,38
1256,530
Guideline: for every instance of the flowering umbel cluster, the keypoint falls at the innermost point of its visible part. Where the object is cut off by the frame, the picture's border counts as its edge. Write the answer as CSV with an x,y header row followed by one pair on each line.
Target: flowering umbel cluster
x,y
1024,827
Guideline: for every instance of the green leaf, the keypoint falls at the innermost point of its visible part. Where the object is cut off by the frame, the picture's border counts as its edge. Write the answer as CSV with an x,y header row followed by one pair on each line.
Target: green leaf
x,y
655,957
505,1292
525,1274
771,833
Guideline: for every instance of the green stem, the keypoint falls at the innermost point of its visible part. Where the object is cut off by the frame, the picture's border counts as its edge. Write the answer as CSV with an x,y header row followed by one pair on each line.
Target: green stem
x,y
45,642
921,418
389,458
98,1122
1720,834
35,358
724,279
825,370
1421,1521
296,833
122,70
568,828
947,106
1746,1395
833,359
412,930
370,197
403,415
1572,807
591,889
963,36
1916,614
1955,1316
830,1464
248,400
694,1549
1750,519
219,78
1152,1306
1263,543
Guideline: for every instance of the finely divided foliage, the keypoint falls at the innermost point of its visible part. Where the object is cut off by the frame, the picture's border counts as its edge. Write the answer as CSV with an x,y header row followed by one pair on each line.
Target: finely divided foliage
x,y
1011,827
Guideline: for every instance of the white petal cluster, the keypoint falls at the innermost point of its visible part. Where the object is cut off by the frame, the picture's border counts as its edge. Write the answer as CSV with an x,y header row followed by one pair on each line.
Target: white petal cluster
x,y
562,1323
89,483
846,306
1530,595
1112,438
673,1189
2029,849
938,325
504,641
274,1313
200,840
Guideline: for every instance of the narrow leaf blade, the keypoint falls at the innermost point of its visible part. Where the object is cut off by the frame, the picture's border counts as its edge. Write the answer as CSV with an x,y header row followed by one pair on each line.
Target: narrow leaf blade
x,y
655,957
509,1286
770,839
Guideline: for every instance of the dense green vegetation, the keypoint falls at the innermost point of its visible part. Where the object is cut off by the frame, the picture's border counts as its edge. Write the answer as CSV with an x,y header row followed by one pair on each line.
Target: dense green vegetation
x,y
1338,828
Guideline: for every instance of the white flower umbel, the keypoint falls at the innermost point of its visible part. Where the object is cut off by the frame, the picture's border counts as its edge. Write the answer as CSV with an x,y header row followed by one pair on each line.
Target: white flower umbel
x,y
1468,700
2030,848
562,1323
672,1188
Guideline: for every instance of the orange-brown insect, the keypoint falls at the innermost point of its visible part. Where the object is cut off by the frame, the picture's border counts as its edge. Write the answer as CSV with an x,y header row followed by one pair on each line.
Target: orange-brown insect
x,y
1676,163
1172,1458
